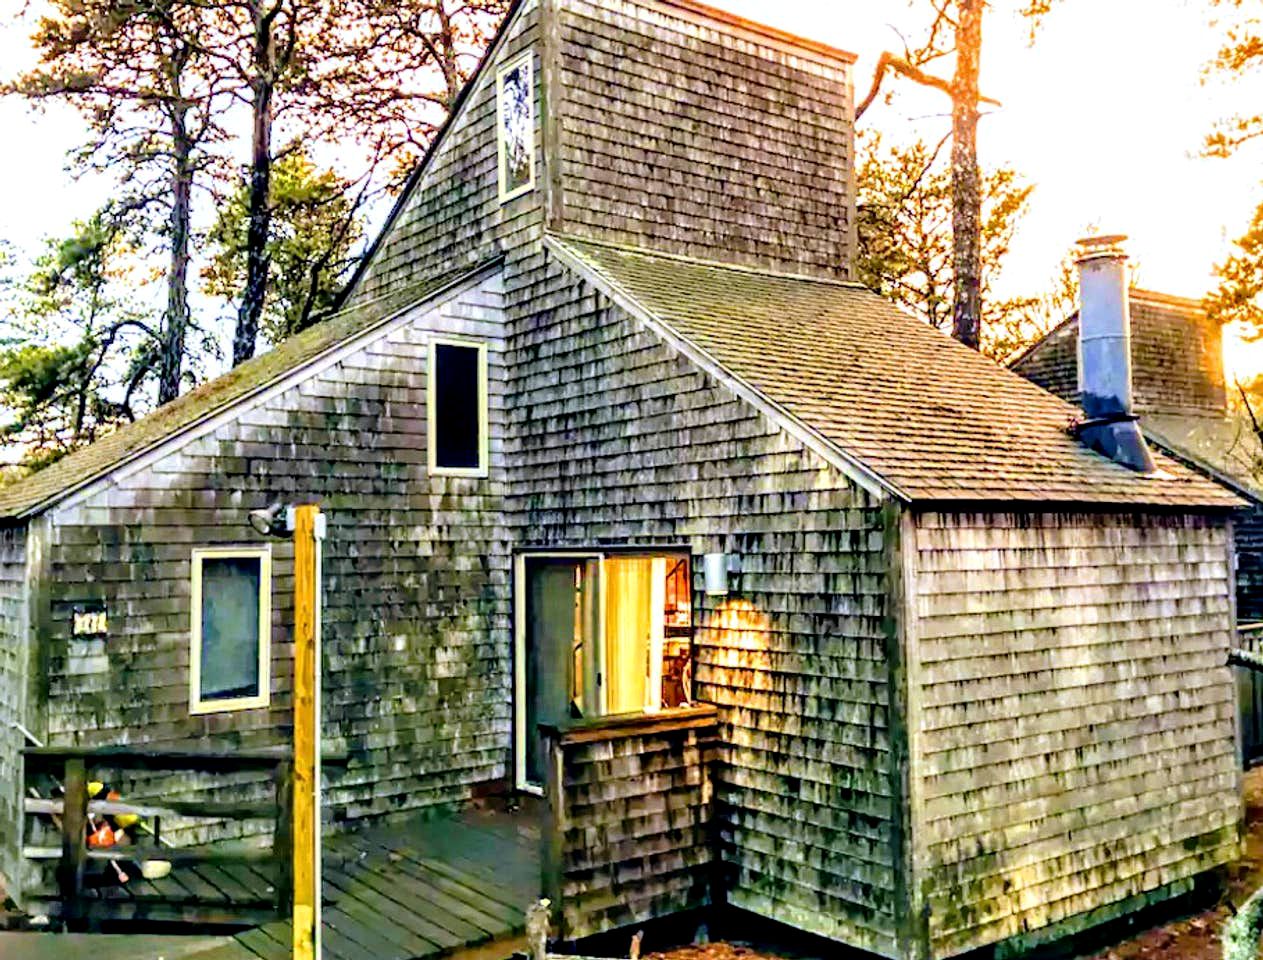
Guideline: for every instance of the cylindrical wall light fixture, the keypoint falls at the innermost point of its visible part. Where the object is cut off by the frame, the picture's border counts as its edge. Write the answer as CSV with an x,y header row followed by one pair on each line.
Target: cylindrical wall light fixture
x,y
717,569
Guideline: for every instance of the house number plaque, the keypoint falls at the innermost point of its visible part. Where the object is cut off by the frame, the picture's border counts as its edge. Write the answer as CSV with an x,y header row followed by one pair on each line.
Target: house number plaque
x,y
90,621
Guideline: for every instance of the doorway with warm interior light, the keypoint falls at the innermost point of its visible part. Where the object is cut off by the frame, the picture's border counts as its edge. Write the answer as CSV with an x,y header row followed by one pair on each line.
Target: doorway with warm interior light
x,y
597,634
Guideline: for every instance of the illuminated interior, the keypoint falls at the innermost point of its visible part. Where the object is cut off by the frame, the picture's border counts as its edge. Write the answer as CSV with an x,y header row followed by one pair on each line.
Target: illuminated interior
x,y
602,635
611,634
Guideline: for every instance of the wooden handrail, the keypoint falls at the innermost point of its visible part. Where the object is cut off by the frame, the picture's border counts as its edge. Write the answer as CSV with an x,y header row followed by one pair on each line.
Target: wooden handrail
x,y
168,808
149,851
165,758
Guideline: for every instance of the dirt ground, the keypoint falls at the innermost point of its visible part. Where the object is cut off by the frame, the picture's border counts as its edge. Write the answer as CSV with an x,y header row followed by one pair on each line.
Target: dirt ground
x,y
1188,938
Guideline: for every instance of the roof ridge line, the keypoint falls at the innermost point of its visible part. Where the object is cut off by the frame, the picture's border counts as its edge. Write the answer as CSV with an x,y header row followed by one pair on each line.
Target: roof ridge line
x,y
702,262
1170,299
765,31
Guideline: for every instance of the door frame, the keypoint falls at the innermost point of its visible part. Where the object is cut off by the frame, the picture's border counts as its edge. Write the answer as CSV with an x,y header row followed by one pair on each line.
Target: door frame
x,y
519,648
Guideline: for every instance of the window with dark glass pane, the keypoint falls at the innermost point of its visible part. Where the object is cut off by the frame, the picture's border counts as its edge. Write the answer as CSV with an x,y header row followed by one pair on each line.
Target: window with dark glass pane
x,y
457,443
230,627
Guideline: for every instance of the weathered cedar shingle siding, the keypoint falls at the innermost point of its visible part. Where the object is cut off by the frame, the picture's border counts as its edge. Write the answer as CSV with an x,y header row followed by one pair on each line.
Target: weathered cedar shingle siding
x,y
637,841
692,140
14,659
416,615
452,216
616,439
1074,717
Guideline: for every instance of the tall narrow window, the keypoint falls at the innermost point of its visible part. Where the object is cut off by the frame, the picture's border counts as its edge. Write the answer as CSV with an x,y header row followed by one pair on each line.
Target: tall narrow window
x,y
458,408
231,620
515,113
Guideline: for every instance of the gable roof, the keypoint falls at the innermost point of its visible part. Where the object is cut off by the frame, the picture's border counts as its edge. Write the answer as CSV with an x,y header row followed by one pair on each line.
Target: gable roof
x,y
44,488
934,420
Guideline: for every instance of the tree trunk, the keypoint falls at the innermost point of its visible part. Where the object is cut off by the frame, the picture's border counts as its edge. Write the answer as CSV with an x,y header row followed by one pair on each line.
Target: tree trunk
x,y
966,179
171,350
448,62
259,217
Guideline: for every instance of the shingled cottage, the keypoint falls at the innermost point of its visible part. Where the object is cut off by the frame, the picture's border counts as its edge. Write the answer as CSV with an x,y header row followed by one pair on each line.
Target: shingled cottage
x,y
617,459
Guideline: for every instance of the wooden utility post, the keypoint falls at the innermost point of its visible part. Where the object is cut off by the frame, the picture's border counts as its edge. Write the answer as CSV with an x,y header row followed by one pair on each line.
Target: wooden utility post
x,y
308,533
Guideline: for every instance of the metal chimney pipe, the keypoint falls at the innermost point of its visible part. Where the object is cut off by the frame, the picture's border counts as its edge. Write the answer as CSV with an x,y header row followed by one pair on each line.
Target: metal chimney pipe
x,y
1105,355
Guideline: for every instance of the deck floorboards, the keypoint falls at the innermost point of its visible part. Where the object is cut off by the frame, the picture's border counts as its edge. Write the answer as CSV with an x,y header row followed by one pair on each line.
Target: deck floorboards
x,y
423,888
418,889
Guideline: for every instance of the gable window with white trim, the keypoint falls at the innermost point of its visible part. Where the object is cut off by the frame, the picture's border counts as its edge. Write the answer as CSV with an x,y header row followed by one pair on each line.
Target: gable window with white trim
x,y
515,127
231,629
456,402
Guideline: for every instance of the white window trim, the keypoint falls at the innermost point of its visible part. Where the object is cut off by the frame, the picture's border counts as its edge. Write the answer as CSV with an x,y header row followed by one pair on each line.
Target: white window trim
x,y
197,706
527,59
431,410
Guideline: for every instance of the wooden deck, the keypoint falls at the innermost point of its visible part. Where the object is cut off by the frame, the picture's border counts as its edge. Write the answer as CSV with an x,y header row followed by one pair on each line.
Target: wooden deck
x,y
440,886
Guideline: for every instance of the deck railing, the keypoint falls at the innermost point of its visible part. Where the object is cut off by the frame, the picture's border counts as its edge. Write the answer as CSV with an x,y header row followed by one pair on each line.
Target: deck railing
x,y
629,833
72,902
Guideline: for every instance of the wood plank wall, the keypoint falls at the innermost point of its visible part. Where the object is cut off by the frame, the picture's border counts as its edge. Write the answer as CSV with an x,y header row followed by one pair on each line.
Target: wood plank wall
x,y
685,138
416,569
1076,718
617,440
636,843
14,647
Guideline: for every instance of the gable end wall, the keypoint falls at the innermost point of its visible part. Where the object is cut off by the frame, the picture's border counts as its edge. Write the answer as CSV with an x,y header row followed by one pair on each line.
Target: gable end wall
x,y
452,218
416,618
620,440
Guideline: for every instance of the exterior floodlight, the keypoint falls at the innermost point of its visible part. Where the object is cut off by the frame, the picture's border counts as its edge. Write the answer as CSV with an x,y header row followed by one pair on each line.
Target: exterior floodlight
x,y
274,521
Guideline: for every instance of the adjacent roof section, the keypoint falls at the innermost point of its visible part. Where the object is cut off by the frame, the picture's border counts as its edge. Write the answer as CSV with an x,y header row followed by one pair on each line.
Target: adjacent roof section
x,y
931,418
1225,446
42,489
1176,351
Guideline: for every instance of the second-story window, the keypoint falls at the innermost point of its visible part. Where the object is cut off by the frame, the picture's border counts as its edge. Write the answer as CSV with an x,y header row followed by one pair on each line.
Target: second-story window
x,y
515,114
457,401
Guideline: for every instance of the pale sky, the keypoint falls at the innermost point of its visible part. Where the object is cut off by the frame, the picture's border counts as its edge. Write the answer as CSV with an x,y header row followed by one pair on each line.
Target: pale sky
x,y
1105,114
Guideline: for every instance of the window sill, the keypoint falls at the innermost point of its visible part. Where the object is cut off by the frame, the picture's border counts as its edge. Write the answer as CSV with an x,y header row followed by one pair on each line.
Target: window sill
x,y
466,473
201,708
625,725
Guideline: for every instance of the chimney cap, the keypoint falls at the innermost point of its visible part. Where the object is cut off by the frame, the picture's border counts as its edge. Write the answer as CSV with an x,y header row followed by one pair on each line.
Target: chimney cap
x,y
1103,245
